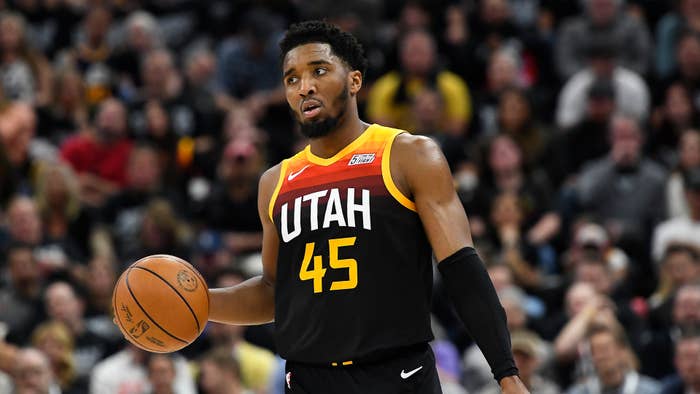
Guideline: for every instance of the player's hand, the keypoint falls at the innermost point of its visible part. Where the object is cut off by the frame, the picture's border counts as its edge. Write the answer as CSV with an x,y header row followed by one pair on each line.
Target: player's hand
x,y
513,385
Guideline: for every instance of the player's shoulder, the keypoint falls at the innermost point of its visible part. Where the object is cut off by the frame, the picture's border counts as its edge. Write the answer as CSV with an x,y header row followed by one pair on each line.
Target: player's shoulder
x,y
416,146
269,180
272,174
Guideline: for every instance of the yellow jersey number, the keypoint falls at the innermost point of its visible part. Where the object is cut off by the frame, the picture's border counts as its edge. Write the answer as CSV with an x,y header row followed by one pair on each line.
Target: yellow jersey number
x,y
317,272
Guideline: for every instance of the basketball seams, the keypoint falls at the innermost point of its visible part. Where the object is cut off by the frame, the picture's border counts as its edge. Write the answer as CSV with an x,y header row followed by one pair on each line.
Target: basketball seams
x,y
125,331
191,267
194,315
128,287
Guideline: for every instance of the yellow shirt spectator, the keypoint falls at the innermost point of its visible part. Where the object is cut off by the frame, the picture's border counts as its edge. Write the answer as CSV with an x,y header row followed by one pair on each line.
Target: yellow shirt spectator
x,y
257,365
382,106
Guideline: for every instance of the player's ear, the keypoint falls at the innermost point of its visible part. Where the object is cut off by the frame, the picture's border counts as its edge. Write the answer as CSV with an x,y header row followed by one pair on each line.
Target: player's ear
x,y
355,81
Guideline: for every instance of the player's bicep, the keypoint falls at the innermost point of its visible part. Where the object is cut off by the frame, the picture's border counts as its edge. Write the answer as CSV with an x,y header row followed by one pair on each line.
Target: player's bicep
x,y
430,182
270,242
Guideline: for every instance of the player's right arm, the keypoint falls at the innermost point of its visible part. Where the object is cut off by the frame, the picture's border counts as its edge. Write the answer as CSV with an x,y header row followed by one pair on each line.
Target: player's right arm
x,y
253,301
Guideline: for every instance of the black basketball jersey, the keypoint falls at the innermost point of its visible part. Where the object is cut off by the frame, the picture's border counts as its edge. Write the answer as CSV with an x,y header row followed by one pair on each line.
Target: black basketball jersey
x,y
354,271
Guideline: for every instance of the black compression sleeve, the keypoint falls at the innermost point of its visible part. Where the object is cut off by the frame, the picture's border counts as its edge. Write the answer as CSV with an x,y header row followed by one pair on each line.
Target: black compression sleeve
x,y
475,300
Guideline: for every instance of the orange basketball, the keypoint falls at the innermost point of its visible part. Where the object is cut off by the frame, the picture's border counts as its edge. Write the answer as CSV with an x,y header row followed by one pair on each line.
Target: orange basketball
x,y
161,303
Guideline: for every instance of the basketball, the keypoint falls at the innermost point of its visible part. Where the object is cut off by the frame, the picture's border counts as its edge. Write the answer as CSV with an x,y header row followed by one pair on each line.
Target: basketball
x,y
161,303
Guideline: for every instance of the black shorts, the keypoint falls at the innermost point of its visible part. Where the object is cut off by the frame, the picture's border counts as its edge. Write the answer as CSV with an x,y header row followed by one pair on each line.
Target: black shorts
x,y
409,372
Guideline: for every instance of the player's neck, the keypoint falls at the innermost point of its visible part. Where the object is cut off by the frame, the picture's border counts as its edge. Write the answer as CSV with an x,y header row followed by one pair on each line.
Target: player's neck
x,y
348,130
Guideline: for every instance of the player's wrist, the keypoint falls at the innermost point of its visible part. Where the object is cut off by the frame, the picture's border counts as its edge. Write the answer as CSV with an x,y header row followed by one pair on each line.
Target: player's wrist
x,y
512,384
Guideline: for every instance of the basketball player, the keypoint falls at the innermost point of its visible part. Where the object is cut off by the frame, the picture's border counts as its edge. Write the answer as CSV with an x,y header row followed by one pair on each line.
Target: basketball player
x,y
349,225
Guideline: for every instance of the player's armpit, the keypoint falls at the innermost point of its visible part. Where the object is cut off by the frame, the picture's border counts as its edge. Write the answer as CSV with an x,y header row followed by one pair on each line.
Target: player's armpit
x,y
421,172
252,302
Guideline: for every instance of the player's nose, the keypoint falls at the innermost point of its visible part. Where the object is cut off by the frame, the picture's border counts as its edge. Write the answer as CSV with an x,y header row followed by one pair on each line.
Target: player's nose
x,y
307,86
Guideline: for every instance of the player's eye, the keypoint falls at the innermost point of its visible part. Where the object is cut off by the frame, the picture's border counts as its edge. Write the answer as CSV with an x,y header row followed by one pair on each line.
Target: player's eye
x,y
292,80
321,71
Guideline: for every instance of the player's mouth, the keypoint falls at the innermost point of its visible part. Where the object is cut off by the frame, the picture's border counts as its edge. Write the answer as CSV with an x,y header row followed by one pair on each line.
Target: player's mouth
x,y
311,108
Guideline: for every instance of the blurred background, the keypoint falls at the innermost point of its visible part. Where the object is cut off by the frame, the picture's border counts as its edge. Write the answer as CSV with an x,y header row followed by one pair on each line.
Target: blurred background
x,y
132,127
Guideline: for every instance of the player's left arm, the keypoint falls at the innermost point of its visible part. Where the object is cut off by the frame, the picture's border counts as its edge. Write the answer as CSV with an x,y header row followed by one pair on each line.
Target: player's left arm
x,y
421,172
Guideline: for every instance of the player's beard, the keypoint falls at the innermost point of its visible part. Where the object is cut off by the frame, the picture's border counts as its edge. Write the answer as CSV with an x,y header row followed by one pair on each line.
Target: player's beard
x,y
323,127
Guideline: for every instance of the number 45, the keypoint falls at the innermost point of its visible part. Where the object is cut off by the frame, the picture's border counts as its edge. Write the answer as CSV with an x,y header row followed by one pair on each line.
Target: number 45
x,y
318,272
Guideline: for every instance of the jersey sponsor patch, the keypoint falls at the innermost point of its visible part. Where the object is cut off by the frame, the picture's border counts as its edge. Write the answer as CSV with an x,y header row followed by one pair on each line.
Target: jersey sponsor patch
x,y
361,158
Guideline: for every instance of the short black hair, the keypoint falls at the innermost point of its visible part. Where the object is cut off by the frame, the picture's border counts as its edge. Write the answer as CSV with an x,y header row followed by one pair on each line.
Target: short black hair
x,y
343,44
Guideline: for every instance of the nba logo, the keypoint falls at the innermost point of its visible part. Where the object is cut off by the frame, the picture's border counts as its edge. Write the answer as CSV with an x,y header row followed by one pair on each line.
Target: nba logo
x,y
288,378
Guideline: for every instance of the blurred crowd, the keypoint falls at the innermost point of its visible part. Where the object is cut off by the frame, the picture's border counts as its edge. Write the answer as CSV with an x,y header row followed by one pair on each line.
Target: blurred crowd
x,y
571,127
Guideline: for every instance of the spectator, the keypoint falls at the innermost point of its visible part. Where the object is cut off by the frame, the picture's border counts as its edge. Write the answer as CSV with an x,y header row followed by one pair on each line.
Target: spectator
x,y
92,47
248,73
586,140
160,232
515,251
8,179
681,228
493,26
162,84
257,365
99,156
32,373
596,272
669,122
584,308
199,94
516,118
220,373
389,98
24,222
122,215
686,359
158,132
490,29
231,210
529,353
685,320
688,157
613,362
125,372
68,111
603,20
623,190
17,131
24,74
591,241
99,281
685,16
142,36
631,92
502,73
66,224
593,269
20,299
91,52
56,341
688,71
679,266
65,305
524,309
161,373
25,226
505,172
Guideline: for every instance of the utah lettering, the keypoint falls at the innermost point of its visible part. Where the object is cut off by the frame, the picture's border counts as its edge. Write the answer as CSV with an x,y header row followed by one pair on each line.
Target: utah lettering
x,y
334,212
